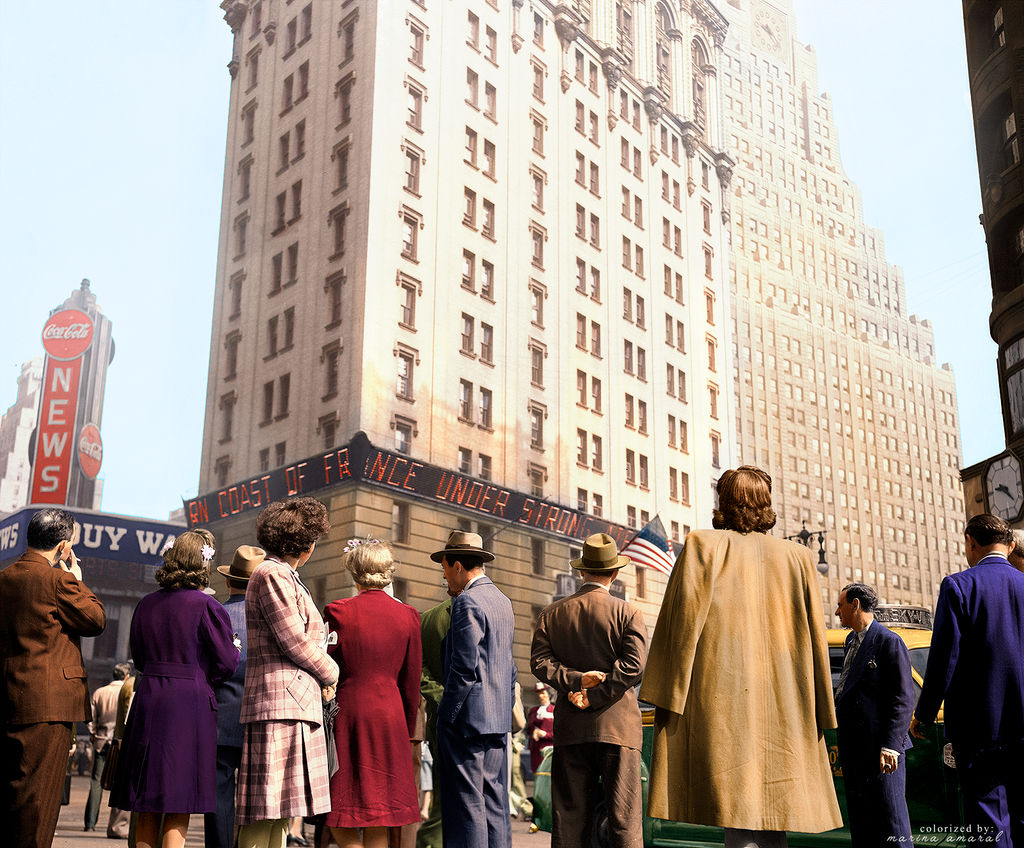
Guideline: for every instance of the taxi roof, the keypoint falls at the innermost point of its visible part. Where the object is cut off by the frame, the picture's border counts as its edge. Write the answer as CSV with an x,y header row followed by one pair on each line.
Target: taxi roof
x,y
912,637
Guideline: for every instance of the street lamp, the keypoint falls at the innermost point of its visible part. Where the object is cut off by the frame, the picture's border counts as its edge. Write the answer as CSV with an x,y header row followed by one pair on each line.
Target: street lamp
x,y
805,537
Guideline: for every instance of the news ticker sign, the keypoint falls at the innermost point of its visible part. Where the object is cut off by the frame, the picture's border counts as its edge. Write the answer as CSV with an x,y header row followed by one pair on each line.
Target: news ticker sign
x,y
361,462
66,337
108,537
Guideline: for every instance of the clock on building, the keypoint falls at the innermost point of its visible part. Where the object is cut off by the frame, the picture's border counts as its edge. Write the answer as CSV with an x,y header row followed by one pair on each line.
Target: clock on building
x,y
1003,489
769,29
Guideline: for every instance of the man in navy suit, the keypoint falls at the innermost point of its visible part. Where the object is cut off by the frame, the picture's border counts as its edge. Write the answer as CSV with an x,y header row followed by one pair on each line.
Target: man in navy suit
x,y
976,663
874,703
219,826
475,713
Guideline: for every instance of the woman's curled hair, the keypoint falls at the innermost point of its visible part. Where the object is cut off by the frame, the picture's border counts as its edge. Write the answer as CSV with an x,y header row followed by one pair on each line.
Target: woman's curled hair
x,y
371,564
184,566
744,501
287,528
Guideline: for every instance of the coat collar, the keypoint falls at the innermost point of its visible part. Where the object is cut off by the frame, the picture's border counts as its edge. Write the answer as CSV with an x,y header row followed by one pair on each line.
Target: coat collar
x,y
35,558
864,655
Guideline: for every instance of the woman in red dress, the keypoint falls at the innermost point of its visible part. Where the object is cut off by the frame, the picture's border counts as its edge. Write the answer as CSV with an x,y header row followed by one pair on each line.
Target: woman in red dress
x,y
379,655
540,726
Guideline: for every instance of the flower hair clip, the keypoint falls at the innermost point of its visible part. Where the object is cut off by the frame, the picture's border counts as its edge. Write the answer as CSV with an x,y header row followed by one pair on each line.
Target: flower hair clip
x,y
207,553
355,543
167,545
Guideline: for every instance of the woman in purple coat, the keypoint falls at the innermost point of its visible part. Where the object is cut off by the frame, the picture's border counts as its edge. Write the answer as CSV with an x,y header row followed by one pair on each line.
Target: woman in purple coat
x,y
182,644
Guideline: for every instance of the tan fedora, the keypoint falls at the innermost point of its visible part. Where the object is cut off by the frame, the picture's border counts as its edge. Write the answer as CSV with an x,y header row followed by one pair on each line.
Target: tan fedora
x,y
246,558
600,554
460,542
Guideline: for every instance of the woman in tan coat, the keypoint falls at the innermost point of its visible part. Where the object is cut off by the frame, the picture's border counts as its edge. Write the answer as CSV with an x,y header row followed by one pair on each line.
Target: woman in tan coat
x,y
739,673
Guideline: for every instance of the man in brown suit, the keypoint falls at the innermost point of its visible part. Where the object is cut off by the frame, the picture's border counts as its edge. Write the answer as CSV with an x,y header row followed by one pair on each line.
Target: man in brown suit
x,y
44,611
591,648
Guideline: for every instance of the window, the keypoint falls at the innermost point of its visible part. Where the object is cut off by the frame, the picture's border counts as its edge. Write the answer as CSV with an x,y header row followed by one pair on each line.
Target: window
x,y
244,178
538,136
487,227
641,363
581,388
264,459
627,253
638,211
303,81
404,431
486,343
416,46
231,342
331,357
684,487
465,461
465,400
491,45
283,151
257,19
538,82
248,123
627,356
469,208
290,36
537,180
644,480
403,386
468,335
293,264
537,296
681,385
339,222
289,328
595,394
712,355
268,402
489,158
538,29
581,113
279,453
581,447
684,442
280,207
708,263
630,466
473,31
410,229
1011,146
582,503
706,208
709,303
537,246
536,474
641,416
638,266
486,407
333,289
641,319
581,275
341,166
713,401
348,45
272,336
595,338
595,179
537,364
241,233
400,523
716,444
595,284
287,93
671,431
472,88
412,170
581,331
490,101
595,230
629,407
536,426
227,405
415,107
408,319
627,304
486,280
537,555
581,222
284,384
484,472
998,29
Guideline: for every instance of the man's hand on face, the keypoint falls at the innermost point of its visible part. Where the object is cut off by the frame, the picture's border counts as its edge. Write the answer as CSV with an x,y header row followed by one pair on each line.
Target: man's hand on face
x,y
69,562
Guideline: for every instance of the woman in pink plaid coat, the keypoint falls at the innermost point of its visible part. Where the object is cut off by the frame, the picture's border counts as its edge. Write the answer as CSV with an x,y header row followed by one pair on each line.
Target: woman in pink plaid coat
x,y
288,677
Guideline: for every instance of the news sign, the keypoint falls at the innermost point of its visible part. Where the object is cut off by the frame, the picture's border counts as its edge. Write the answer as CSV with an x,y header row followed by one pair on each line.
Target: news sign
x,y
361,462
66,337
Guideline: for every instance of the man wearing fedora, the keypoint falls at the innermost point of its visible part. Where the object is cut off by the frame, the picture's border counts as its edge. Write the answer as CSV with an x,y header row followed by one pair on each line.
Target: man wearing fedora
x,y
474,716
220,825
591,648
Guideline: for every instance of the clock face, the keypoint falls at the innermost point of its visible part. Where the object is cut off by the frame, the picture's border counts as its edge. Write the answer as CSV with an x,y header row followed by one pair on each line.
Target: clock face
x,y
1003,487
769,30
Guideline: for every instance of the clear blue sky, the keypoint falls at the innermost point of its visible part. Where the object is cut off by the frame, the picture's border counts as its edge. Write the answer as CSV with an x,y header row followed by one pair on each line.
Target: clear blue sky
x,y
111,166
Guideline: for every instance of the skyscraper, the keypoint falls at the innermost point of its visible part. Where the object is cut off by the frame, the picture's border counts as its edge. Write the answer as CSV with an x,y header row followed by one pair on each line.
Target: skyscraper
x,y
16,428
490,236
839,394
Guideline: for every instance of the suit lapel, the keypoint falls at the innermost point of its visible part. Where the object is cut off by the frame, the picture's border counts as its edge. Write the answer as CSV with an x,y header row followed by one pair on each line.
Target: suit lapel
x,y
864,655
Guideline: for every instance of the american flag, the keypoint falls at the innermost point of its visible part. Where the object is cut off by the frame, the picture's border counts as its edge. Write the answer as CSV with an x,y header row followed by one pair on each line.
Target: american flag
x,y
651,547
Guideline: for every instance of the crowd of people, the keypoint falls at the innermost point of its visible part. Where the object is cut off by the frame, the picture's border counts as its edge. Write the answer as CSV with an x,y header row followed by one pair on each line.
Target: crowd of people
x,y
392,728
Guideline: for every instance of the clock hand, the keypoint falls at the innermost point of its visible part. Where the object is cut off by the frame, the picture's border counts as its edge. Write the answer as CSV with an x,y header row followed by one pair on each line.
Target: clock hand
x,y
1002,488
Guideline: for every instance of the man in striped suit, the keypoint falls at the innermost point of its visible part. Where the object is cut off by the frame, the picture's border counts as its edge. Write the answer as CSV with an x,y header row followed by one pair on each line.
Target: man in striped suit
x,y
475,713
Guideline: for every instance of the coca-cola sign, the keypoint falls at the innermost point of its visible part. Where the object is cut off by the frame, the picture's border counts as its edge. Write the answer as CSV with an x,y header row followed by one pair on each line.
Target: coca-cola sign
x,y
90,451
67,334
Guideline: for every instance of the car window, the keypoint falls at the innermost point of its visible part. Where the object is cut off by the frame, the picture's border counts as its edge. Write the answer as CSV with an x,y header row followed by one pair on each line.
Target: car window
x,y
835,661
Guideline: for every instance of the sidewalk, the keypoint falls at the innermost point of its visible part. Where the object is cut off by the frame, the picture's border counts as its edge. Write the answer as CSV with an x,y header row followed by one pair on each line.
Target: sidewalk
x,y
72,820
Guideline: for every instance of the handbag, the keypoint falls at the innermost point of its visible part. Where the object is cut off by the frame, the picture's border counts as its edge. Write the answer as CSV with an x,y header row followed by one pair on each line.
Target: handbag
x,y
110,766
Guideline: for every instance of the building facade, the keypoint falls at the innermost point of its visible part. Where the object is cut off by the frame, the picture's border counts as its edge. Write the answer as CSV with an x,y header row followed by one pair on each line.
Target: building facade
x,y
839,394
492,237
994,38
16,428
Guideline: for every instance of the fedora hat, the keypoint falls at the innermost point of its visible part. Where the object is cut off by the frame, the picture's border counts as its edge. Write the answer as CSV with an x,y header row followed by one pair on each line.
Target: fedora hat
x,y
460,542
244,562
600,554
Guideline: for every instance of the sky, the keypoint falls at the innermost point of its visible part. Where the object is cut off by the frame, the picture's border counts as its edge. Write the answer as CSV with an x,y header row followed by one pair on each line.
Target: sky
x,y
112,162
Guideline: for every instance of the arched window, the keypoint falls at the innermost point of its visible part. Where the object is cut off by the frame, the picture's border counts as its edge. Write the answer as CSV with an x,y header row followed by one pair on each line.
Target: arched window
x,y
700,87
662,54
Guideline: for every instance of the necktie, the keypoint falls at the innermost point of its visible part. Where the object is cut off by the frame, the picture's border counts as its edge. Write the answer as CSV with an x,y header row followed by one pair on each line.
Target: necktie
x,y
848,663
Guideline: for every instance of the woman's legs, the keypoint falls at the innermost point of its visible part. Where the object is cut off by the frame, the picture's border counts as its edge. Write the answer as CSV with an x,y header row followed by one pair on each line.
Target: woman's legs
x,y
147,831
270,833
348,837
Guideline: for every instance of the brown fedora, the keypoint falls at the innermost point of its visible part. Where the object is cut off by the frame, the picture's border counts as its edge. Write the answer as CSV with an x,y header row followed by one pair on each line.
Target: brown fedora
x,y
600,554
246,558
460,542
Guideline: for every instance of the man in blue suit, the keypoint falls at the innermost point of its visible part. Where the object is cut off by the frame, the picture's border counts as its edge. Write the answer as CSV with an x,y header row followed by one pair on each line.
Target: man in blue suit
x,y
220,826
475,713
976,663
874,703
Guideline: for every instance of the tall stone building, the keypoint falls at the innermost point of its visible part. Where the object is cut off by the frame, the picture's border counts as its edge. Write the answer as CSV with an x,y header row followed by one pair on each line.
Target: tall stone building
x,y
994,39
839,394
16,428
478,244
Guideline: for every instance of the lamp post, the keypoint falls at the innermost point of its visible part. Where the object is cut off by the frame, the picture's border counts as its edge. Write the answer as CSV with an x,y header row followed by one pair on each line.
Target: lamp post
x,y
805,537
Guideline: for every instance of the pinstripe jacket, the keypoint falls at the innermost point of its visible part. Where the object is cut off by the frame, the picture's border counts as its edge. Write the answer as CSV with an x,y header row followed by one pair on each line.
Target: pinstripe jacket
x,y
286,661
479,672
